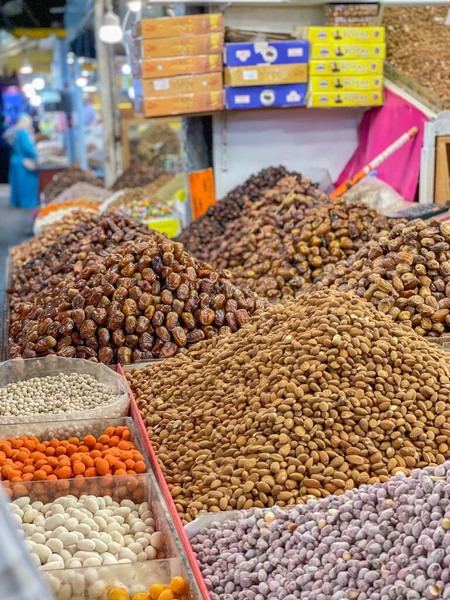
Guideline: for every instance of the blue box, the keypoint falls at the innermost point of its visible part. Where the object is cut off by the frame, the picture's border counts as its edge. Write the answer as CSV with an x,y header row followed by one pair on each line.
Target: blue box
x,y
264,96
266,53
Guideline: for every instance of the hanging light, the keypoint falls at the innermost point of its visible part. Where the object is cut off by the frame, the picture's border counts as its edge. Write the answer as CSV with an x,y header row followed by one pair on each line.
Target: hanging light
x,y
126,70
35,101
134,5
38,83
26,68
131,94
111,30
85,73
28,90
70,58
81,82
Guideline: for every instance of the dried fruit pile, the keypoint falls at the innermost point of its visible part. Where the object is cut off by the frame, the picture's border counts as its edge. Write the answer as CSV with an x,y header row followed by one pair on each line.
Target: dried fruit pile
x,y
138,175
291,237
312,398
214,221
66,254
144,299
66,179
377,542
405,274
418,44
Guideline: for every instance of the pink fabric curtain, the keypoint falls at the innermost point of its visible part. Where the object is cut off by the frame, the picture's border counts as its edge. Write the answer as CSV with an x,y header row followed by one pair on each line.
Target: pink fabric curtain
x,y
378,129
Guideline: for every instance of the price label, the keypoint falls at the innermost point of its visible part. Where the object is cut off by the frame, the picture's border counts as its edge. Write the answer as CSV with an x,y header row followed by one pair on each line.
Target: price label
x,y
201,190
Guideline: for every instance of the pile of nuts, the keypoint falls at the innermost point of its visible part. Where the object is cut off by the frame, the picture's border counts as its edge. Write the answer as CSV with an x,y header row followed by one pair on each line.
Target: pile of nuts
x,y
87,532
81,189
54,394
66,254
138,175
411,29
312,398
405,274
144,299
65,179
214,221
379,542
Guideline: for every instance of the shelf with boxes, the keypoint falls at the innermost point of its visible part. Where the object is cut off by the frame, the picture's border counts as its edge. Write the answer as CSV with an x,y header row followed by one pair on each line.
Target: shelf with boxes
x,y
178,64
346,67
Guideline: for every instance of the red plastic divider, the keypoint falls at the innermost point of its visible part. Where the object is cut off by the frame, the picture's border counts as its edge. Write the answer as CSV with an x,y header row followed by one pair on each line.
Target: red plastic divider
x,y
140,426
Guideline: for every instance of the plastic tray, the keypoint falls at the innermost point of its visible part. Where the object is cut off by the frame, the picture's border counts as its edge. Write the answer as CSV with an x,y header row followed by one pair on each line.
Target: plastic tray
x,y
137,487
193,566
4,354
21,370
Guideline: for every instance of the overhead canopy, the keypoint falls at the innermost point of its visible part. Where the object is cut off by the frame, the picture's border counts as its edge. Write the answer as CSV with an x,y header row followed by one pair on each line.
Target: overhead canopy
x,y
32,15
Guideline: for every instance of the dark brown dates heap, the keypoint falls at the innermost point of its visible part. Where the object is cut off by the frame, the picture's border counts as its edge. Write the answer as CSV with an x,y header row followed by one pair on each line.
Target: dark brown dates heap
x,y
138,175
145,299
213,222
405,274
67,178
49,266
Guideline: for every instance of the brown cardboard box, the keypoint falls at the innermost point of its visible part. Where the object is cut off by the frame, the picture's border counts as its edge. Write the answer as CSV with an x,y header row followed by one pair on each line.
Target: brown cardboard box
x,y
180,46
186,84
266,75
179,26
180,104
180,65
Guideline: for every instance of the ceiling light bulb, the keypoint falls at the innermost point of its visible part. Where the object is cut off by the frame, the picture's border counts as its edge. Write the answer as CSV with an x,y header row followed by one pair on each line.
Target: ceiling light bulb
x,y
126,69
111,30
26,68
38,83
81,81
28,90
35,101
134,5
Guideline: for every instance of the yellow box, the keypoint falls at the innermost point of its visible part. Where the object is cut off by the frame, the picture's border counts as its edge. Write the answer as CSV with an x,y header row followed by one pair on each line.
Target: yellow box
x,y
181,104
346,34
345,67
178,26
266,75
371,98
180,65
180,46
186,84
339,50
331,83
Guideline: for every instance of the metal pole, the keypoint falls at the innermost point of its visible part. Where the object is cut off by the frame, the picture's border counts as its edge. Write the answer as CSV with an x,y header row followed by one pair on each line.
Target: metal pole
x,y
108,99
69,138
79,119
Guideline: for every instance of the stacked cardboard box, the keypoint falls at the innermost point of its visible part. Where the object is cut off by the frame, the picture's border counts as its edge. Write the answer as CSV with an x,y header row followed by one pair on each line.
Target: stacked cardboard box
x,y
263,74
177,65
346,67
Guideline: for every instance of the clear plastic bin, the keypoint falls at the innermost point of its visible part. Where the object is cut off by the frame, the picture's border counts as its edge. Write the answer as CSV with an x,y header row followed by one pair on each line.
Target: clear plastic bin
x,y
16,370
138,487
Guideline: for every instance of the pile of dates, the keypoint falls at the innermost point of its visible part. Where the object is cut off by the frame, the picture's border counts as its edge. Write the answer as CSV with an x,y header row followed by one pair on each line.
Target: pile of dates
x,y
405,274
214,221
66,254
144,299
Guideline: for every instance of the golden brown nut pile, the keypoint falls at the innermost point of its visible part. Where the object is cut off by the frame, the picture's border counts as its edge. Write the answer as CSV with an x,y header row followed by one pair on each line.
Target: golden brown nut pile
x,y
405,274
418,44
144,299
313,397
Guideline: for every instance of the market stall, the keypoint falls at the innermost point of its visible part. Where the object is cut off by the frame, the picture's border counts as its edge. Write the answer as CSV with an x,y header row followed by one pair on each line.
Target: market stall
x,y
241,399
